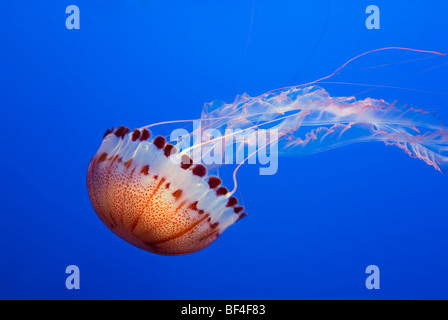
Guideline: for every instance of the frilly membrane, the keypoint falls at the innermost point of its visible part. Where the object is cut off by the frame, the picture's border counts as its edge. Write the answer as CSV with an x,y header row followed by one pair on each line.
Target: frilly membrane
x,y
309,120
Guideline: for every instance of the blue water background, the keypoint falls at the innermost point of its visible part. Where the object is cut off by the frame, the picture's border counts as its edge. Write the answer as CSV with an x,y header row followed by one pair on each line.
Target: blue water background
x,y
312,228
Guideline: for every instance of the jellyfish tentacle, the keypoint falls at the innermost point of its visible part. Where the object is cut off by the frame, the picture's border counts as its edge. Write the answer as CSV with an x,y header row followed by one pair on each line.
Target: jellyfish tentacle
x,y
355,58
235,172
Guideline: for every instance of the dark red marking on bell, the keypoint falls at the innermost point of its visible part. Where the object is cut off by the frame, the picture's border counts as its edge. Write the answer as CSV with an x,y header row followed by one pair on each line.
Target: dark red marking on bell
x,y
156,177
214,225
232,201
193,206
214,182
102,157
145,135
125,132
114,158
242,216
167,186
222,191
159,142
177,193
238,209
186,162
136,134
120,159
169,150
201,211
145,170
108,131
127,164
199,170
121,131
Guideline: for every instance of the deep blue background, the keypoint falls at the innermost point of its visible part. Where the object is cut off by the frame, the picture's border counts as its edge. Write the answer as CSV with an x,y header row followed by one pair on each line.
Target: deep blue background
x,y
312,228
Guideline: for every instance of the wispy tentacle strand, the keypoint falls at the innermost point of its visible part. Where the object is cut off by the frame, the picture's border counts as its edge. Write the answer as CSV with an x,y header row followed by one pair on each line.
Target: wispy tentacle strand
x,y
309,120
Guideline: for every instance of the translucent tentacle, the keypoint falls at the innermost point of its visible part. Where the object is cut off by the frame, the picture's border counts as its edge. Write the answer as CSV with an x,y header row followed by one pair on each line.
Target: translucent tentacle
x,y
309,120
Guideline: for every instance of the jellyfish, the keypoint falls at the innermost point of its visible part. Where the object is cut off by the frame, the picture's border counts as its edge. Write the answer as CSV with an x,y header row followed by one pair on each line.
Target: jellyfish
x,y
160,195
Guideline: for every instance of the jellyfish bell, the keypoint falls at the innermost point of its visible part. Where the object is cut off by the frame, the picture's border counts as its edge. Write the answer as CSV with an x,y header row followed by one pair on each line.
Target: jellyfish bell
x,y
162,206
